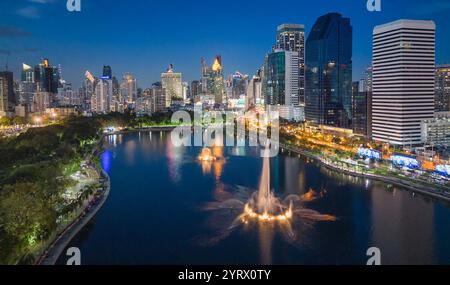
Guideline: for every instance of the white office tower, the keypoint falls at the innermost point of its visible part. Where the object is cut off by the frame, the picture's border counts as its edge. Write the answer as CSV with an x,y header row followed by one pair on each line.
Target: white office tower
x,y
101,101
403,80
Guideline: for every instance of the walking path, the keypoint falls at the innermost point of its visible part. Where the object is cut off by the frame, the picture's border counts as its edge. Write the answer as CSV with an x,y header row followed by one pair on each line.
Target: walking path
x,y
427,190
55,250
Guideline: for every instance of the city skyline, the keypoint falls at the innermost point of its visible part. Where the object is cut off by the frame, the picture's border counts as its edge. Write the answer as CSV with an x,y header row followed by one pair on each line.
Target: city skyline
x,y
295,133
144,51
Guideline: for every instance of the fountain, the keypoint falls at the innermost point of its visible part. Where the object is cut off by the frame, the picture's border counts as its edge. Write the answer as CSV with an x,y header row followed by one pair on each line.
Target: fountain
x,y
206,155
263,205
264,211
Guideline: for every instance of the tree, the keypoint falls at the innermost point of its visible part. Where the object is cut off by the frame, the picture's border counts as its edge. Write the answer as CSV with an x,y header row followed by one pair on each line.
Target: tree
x,y
18,121
25,214
5,121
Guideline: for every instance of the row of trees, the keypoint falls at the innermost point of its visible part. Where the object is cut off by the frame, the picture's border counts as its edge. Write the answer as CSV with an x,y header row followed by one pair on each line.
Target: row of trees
x,y
7,122
34,172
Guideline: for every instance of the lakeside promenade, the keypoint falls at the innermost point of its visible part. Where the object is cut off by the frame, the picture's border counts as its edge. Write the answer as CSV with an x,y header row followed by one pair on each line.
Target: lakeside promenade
x,y
428,190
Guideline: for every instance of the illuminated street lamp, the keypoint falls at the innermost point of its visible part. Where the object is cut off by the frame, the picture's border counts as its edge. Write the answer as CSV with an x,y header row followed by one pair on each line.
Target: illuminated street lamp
x,y
38,120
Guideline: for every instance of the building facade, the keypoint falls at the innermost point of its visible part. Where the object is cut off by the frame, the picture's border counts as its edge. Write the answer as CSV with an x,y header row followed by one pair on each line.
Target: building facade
x,y
436,131
361,107
173,85
101,100
403,80
282,82
7,97
442,88
328,95
213,81
128,90
291,37
107,72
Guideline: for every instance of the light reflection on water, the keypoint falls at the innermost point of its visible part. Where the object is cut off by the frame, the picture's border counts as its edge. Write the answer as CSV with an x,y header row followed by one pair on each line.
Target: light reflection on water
x,y
156,205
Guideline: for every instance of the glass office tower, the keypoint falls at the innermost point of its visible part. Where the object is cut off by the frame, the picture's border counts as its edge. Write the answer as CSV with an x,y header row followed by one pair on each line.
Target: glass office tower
x,y
328,97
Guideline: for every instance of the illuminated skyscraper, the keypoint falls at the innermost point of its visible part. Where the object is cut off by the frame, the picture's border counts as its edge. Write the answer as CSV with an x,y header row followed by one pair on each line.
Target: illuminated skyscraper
x,y
107,72
328,99
361,108
291,37
403,80
442,88
213,80
196,89
7,98
172,84
90,85
282,78
281,82
117,102
101,101
28,87
238,83
254,91
47,77
158,98
128,90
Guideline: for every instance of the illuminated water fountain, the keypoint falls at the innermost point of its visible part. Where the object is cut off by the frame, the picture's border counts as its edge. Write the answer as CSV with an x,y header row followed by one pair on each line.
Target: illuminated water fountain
x,y
206,155
263,205
264,211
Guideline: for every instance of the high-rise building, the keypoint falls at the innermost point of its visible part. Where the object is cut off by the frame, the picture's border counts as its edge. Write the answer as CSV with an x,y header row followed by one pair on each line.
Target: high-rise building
x,y
101,101
361,108
28,87
186,91
403,80
436,131
41,102
47,77
442,88
67,97
282,82
254,91
107,72
282,78
291,37
144,103
328,94
213,80
90,84
128,90
238,83
172,84
158,98
196,90
117,102
7,98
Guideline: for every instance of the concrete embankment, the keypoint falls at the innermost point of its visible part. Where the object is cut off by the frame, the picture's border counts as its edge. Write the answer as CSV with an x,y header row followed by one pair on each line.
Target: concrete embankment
x,y
428,190
55,250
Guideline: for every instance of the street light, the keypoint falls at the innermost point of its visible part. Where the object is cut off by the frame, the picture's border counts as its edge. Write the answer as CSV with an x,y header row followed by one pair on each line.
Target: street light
x,y
38,120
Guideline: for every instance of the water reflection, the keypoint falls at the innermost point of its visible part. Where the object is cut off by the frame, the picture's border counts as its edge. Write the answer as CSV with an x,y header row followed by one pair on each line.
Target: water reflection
x,y
174,160
397,217
212,159
265,211
176,230
106,158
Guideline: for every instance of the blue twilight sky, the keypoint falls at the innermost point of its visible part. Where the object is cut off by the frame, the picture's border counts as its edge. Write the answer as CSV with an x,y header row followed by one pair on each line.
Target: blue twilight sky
x,y
144,36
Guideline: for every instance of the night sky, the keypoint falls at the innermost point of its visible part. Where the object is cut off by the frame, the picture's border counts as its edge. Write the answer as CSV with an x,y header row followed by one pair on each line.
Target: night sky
x,y
144,36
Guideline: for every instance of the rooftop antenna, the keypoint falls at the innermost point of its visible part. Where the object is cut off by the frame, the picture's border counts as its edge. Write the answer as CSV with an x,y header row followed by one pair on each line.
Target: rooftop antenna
x,y
7,60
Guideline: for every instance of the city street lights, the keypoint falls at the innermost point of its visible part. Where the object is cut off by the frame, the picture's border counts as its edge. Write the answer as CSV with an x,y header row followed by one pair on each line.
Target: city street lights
x,y
38,120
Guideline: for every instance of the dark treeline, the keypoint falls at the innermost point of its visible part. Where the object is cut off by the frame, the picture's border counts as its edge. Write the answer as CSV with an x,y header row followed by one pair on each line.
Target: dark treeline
x,y
35,169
